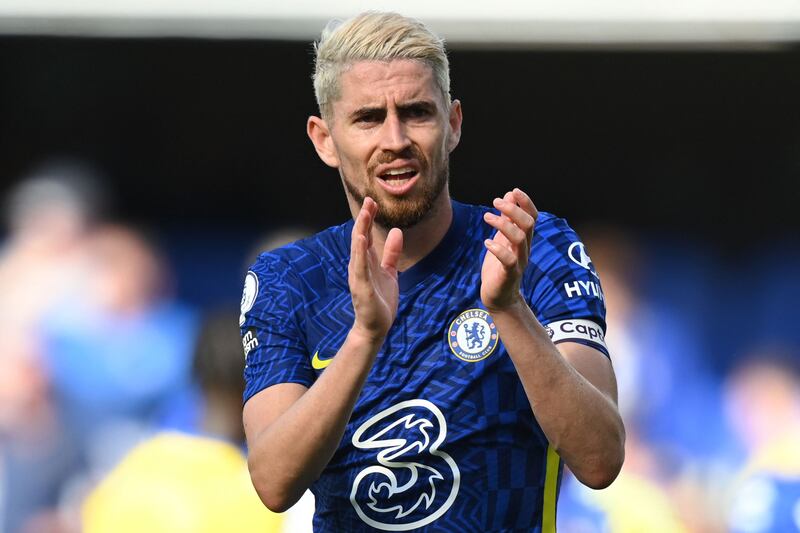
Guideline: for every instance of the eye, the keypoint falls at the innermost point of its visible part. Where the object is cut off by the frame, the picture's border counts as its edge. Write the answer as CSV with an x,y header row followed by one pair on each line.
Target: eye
x,y
418,112
368,118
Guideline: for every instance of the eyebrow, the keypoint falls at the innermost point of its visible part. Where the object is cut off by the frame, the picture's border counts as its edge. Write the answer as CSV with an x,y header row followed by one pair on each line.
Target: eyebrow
x,y
367,110
428,105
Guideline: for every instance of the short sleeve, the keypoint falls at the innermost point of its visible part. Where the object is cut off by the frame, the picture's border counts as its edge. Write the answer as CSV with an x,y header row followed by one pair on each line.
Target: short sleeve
x,y
270,322
562,286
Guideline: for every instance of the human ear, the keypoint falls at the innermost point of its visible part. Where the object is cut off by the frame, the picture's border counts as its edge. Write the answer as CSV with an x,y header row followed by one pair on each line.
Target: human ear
x,y
455,118
320,135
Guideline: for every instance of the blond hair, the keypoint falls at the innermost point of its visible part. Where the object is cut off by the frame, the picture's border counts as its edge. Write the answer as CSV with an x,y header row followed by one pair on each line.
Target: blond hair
x,y
374,36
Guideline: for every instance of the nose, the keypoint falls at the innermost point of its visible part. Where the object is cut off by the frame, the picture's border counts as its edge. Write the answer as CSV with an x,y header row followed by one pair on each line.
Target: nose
x,y
394,136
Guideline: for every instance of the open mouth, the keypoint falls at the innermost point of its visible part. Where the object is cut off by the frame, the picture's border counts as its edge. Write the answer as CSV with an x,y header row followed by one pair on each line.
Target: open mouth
x,y
398,176
398,180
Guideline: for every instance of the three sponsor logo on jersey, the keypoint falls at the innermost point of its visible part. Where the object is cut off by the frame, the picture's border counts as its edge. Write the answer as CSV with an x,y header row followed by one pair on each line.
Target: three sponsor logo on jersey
x,y
410,481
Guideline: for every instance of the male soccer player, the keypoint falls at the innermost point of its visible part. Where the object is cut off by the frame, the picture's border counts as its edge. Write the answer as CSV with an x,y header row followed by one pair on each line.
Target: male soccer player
x,y
430,365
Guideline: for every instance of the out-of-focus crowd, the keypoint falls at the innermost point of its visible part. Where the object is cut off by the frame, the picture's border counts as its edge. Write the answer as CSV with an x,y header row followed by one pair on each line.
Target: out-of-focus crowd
x,y
712,413
120,407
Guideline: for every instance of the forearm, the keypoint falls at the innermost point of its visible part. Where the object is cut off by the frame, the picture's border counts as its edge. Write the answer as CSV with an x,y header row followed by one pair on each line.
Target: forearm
x,y
287,456
581,422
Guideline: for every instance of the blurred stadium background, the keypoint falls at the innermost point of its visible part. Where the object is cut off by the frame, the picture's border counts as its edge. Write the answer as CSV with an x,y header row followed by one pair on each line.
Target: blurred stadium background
x,y
148,150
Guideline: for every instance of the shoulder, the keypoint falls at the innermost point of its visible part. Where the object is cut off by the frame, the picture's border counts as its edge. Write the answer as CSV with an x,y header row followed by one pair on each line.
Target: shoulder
x,y
555,243
285,277
553,231
328,247
553,238
561,282
556,246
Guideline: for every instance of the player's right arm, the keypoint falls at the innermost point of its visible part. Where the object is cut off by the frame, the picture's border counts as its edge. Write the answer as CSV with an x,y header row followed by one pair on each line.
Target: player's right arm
x,y
293,430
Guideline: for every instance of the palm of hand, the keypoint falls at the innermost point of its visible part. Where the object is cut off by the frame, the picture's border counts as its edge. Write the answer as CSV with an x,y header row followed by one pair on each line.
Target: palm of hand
x,y
373,283
386,292
508,251
498,285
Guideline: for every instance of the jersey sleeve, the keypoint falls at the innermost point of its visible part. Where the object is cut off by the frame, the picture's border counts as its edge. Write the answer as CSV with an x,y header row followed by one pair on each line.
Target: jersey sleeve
x,y
271,327
562,286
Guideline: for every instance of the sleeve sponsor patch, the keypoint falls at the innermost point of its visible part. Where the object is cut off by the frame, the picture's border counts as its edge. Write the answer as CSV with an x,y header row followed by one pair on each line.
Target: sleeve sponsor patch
x,y
249,341
579,288
576,330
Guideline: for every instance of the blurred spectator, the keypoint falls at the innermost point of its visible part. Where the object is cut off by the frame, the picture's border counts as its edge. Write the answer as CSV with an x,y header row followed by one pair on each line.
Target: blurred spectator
x,y
657,354
668,400
123,348
42,263
118,357
179,482
636,502
115,355
763,407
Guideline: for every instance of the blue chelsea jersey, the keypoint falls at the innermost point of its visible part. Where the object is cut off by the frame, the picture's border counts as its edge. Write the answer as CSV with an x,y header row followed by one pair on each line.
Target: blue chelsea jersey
x,y
442,437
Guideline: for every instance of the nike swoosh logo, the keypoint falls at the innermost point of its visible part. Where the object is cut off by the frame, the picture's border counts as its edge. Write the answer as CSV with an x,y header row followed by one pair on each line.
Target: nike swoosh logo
x,y
319,364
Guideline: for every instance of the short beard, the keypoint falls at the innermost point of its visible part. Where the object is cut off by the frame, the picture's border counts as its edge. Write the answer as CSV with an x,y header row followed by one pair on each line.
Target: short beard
x,y
404,212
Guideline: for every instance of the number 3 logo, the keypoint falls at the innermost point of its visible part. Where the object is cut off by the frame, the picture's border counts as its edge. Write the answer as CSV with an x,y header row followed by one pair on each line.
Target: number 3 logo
x,y
413,475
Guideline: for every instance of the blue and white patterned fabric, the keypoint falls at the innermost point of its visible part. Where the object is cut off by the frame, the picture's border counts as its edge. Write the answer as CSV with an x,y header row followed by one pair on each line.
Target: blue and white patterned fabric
x,y
442,437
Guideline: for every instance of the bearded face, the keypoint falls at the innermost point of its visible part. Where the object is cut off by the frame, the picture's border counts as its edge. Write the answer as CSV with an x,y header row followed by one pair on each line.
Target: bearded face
x,y
390,136
403,211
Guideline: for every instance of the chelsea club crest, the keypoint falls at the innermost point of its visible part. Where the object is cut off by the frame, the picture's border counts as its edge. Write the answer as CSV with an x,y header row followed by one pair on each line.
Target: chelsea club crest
x,y
472,336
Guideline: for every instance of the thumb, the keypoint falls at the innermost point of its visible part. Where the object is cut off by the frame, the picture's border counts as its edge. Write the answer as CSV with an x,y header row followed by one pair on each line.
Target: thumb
x,y
392,250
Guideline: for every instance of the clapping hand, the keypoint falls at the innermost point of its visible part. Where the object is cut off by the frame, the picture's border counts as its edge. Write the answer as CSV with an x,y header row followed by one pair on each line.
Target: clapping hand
x,y
509,250
373,283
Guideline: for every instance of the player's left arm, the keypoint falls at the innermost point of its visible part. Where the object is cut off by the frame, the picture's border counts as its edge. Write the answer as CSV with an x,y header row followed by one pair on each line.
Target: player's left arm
x,y
571,388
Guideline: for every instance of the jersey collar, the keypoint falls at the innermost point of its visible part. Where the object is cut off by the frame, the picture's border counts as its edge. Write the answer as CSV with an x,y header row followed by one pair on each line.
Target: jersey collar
x,y
439,259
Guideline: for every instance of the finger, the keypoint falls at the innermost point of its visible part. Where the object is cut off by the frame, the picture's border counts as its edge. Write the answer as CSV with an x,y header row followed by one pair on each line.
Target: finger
x,y
507,228
363,220
507,197
371,205
359,245
372,209
505,255
526,203
392,250
509,208
515,213
359,262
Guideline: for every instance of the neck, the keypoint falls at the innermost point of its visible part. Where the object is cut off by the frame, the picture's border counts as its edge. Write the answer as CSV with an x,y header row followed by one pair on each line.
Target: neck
x,y
420,239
